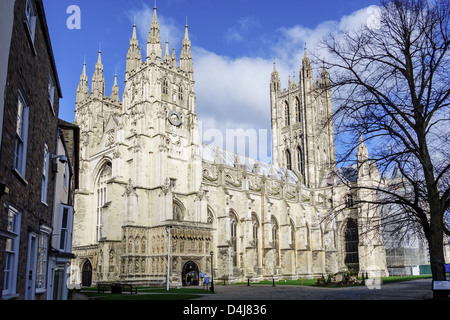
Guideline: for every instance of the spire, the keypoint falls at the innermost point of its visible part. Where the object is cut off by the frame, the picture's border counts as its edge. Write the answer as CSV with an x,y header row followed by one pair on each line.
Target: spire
x,y
99,59
186,31
363,161
306,73
362,155
83,86
174,59
134,58
186,63
84,69
325,77
275,83
134,36
115,90
98,80
306,61
167,59
154,41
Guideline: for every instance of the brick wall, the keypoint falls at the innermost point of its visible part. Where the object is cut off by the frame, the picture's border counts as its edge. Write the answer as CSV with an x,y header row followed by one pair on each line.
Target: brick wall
x,y
28,71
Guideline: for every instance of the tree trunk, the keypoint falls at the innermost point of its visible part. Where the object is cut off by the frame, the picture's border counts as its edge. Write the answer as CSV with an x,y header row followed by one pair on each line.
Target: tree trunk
x,y
437,261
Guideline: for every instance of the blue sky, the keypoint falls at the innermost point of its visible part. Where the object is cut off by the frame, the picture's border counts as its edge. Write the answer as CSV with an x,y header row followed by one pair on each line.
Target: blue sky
x,y
234,45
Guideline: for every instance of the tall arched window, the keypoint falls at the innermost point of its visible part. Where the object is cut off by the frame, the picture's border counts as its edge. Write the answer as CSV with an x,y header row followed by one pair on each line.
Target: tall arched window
x,y
234,223
102,194
351,243
288,160
210,218
287,113
165,87
349,201
275,240
180,92
300,163
298,114
177,211
255,228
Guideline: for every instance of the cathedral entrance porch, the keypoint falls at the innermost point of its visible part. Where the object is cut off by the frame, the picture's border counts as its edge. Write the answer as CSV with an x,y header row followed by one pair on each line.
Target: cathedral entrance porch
x,y
190,274
86,277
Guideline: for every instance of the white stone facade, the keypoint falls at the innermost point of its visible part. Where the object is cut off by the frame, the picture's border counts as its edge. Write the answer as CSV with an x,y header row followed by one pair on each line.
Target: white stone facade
x,y
143,169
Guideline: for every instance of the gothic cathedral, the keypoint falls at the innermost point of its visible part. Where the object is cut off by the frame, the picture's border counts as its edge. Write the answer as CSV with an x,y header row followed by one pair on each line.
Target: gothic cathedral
x,y
153,200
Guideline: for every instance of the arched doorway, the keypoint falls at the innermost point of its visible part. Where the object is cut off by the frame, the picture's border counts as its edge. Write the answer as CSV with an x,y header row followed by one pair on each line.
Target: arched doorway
x,y
351,240
86,275
190,274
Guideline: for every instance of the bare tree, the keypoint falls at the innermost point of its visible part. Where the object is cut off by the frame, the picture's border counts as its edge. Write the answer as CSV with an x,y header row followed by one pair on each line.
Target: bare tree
x,y
391,82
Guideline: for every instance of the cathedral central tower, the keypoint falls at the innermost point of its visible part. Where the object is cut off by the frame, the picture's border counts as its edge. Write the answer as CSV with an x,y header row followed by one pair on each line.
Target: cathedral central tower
x,y
302,126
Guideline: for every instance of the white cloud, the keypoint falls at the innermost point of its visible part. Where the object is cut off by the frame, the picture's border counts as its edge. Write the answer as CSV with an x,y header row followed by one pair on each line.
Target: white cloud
x,y
238,32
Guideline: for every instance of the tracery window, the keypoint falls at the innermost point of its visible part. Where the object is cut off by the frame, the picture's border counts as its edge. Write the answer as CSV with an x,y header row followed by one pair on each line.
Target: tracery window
x,y
102,192
234,223
275,240
287,120
288,160
165,88
210,218
349,201
300,165
255,228
180,93
351,242
177,212
298,114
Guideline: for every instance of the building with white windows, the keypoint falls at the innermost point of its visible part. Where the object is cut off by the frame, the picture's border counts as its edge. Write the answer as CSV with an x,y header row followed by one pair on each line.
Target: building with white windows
x,y
36,176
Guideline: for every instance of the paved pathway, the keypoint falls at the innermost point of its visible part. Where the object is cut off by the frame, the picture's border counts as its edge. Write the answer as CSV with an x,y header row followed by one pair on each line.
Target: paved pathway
x,y
406,290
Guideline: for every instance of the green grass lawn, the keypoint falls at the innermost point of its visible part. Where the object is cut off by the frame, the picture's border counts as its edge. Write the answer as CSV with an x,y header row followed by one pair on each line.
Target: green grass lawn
x,y
160,293
311,282
405,278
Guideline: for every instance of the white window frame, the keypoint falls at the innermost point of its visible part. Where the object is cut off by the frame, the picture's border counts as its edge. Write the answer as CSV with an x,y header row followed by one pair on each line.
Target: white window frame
x,y
65,228
42,255
20,152
31,19
45,174
12,255
51,92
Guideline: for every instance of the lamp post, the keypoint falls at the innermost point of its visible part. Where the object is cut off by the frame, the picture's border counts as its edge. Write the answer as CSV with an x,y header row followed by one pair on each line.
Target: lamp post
x,y
212,273
168,258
